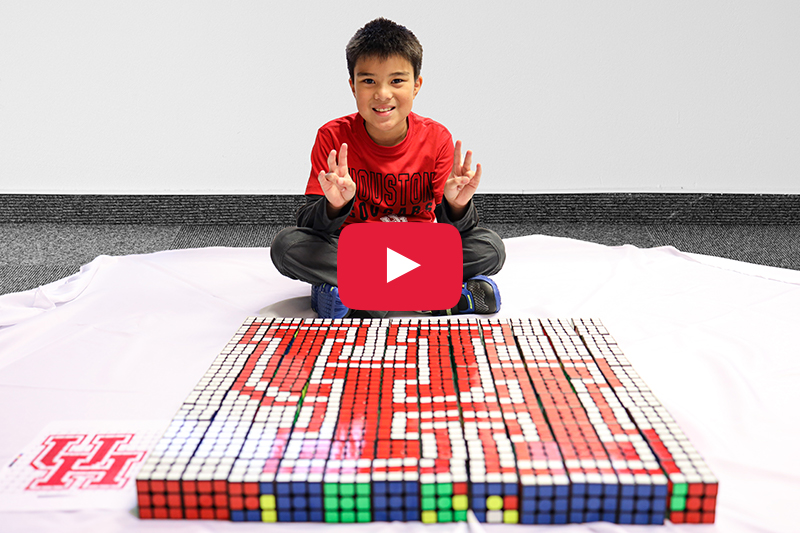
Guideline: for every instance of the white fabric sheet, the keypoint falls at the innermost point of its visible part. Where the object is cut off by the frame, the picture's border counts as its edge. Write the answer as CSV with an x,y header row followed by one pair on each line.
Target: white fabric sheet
x,y
128,337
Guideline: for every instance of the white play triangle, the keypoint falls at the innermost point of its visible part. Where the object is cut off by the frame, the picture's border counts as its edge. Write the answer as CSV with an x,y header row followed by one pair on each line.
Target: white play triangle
x,y
397,265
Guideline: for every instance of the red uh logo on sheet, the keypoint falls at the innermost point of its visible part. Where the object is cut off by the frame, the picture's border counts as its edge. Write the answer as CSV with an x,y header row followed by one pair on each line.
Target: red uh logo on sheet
x,y
98,464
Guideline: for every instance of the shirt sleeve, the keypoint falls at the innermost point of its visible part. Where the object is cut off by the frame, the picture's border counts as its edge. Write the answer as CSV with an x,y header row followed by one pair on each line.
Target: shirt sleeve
x,y
465,223
314,214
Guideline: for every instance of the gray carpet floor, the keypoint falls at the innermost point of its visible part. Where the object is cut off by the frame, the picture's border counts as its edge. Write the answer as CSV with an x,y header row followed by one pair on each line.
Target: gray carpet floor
x,y
34,254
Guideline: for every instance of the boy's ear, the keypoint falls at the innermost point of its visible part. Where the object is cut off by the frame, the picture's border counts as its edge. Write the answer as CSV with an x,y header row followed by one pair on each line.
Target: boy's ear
x,y
417,85
352,86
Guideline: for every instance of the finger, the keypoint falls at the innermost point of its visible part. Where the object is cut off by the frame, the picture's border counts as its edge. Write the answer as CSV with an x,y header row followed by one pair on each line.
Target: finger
x,y
343,160
467,162
476,179
332,161
457,159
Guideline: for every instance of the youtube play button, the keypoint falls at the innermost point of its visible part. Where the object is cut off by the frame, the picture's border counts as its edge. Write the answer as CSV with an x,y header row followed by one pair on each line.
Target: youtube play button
x,y
399,266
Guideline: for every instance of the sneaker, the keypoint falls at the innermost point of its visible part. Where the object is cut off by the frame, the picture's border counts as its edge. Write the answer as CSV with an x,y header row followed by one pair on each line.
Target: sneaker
x,y
479,295
326,303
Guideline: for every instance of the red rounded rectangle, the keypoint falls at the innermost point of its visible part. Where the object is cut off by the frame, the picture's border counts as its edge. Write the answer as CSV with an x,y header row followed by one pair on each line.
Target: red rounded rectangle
x,y
400,266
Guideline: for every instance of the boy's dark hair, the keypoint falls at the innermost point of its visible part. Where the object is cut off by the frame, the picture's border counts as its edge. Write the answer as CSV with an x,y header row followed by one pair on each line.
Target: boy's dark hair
x,y
383,38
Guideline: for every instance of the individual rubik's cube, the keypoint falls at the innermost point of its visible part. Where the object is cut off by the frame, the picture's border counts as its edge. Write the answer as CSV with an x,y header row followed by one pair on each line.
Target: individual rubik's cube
x,y
347,421
692,489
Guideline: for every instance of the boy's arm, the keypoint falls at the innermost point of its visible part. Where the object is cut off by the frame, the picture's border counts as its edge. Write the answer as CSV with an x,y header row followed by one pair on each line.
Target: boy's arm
x,y
459,189
314,214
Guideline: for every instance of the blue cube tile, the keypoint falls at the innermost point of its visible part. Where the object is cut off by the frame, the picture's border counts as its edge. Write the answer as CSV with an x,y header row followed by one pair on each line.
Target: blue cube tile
x,y
657,518
610,489
592,516
266,488
644,491
609,516
560,505
660,491
544,518
299,516
625,518
627,491
510,489
411,487
317,515
299,502
314,489
283,489
237,516
643,506
395,502
577,503
594,489
412,515
480,516
411,501
575,517
380,515
641,518
395,487
396,515
545,491
560,518
494,489
527,505
594,503
379,487
315,503
626,505
526,518
562,491
579,489
658,505
283,502
478,504
379,501
545,506
610,504
479,489
528,491
298,487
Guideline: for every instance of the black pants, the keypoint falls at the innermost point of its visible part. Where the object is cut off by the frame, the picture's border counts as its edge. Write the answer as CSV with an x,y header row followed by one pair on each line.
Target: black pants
x,y
310,256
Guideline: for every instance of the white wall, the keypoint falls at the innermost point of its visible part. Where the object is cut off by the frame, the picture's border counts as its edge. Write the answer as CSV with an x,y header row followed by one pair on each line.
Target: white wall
x,y
204,96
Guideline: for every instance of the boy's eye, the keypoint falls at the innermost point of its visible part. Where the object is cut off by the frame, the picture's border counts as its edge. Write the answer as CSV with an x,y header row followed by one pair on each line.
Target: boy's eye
x,y
398,80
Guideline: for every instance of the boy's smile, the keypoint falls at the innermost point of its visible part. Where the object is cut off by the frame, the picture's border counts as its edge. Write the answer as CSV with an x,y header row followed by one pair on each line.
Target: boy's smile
x,y
385,91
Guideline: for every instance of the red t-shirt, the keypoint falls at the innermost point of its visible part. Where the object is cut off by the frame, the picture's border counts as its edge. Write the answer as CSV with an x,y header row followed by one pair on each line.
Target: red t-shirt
x,y
393,183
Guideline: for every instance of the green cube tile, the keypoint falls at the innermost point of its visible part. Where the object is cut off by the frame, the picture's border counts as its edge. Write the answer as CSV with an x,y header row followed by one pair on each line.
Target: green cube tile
x,y
331,489
444,503
428,489
445,516
331,516
444,489
362,503
363,489
677,503
347,489
680,489
363,516
428,503
460,516
348,517
331,503
347,503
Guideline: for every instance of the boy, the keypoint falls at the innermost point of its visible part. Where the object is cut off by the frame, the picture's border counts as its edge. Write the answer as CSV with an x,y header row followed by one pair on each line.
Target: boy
x,y
386,164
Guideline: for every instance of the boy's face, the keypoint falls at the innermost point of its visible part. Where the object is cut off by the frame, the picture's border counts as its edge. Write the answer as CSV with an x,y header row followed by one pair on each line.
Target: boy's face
x,y
385,91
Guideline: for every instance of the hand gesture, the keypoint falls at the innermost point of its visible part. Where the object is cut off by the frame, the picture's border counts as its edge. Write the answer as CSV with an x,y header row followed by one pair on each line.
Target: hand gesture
x,y
463,182
336,184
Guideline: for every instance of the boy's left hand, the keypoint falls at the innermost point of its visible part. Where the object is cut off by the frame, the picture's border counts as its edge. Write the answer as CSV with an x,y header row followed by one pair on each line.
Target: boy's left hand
x,y
462,183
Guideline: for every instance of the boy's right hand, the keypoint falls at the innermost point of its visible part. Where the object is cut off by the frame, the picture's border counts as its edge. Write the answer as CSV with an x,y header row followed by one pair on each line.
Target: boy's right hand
x,y
336,184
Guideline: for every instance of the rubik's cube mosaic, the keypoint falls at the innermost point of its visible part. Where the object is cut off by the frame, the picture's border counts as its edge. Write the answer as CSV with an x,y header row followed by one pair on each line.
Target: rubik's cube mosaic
x,y
517,421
